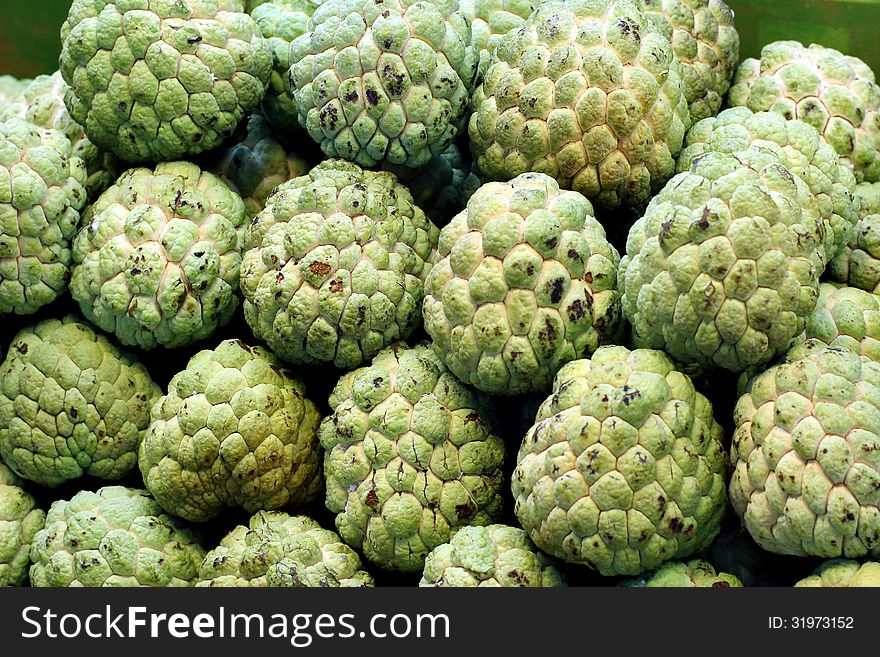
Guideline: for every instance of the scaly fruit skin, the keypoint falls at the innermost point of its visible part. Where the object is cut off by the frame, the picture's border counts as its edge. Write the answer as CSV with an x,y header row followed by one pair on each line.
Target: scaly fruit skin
x,y
20,520
443,186
115,536
705,40
41,102
11,89
280,22
858,263
277,549
235,429
41,194
833,92
524,282
158,80
157,259
806,454
843,573
624,468
490,21
384,81
496,555
801,150
409,458
257,164
723,268
71,403
847,317
691,574
335,265
587,93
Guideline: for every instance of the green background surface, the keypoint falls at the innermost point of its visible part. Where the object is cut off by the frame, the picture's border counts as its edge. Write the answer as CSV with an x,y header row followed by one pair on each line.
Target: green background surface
x,y
29,42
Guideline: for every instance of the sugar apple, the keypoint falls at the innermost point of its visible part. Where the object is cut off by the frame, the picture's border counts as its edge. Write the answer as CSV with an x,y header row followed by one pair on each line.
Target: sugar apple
x,y
806,454
11,89
334,266
843,573
159,79
800,149
492,19
443,186
280,22
587,93
157,259
858,263
20,520
833,92
410,456
723,268
41,102
384,80
624,468
255,165
235,429
847,317
685,574
277,549
525,281
496,555
71,403
705,40
115,536
41,194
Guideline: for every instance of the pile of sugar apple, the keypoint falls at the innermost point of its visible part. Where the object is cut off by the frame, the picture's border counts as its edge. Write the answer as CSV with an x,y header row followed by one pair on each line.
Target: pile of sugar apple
x,y
303,293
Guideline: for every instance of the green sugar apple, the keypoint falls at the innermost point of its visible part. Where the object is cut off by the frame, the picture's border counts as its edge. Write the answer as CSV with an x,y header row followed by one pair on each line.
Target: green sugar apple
x,y
162,79
334,266
410,457
41,103
41,195
841,573
801,150
280,22
858,263
524,282
705,40
257,164
685,574
624,468
280,550
71,403
587,93
157,259
20,520
496,555
723,268
235,429
384,80
115,536
847,317
11,89
835,93
492,19
806,454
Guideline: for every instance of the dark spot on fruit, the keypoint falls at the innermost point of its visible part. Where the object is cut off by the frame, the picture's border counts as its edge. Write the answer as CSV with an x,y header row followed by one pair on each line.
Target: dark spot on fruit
x,y
336,286
556,289
372,97
464,511
319,268
351,96
372,500
675,525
